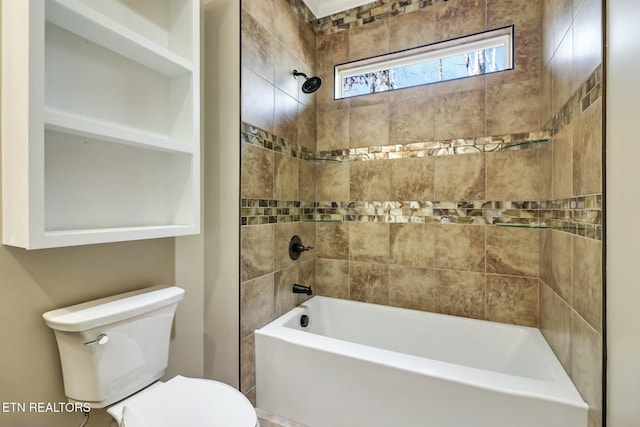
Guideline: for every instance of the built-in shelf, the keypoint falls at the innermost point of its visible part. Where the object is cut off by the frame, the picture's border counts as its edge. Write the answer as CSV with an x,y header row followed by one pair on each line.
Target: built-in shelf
x,y
519,145
101,131
82,19
111,132
522,225
323,159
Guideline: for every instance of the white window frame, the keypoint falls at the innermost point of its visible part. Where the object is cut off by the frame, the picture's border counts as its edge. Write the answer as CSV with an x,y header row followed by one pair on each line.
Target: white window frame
x,y
485,40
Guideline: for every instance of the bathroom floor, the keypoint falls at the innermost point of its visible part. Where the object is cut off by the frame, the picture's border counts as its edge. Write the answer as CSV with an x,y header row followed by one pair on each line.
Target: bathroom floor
x,y
269,420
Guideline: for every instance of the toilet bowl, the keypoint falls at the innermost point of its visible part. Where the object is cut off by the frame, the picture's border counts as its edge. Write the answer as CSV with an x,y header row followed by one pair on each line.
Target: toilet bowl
x,y
114,351
185,401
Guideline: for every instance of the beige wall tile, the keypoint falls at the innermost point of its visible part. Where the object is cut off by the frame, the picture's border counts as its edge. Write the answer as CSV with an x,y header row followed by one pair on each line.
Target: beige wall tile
x,y
460,115
460,293
332,278
283,233
555,324
284,298
369,125
307,126
307,52
369,242
412,29
261,10
501,13
459,18
517,175
248,363
333,49
285,117
562,180
369,180
285,177
562,14
369,282
306,180
369,40
412,244
561,265
545,256
307,276
512,300
460,247
412,288
412,178
286,61
256,247
256,304
587,41
513,107
332,130
332,181
587,280
586,364
257,100
411,120
512,251
285,25
258,51
332,240
460,177
562,73
545,94
257,172
587,151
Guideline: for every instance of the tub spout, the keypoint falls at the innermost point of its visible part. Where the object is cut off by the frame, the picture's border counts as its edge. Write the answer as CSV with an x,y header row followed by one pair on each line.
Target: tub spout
x,y
301,289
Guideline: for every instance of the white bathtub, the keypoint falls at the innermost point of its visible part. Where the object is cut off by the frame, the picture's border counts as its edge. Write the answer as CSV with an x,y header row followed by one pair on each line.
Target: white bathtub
x,y
359,364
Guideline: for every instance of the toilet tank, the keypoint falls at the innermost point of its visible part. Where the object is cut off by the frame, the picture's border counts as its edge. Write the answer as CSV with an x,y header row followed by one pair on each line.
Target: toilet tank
x,y
112,347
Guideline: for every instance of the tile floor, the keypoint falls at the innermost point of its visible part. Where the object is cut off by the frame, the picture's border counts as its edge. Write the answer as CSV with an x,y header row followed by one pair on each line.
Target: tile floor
x,y
270,420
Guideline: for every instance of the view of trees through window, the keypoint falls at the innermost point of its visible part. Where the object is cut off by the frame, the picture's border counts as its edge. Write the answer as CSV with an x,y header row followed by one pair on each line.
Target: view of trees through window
x,y
473,55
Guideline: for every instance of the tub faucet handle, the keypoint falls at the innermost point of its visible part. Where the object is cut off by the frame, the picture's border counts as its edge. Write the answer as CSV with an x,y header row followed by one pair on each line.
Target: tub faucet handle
x,y
296,247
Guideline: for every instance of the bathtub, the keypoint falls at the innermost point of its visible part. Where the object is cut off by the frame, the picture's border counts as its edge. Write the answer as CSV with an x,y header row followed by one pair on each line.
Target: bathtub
x,y
359,364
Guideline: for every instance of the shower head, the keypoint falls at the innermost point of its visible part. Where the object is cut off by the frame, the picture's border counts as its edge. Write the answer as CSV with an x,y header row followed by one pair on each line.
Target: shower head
x,y
311,84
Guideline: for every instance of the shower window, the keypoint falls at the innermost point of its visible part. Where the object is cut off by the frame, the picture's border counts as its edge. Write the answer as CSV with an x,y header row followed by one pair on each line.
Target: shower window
x,y
473,55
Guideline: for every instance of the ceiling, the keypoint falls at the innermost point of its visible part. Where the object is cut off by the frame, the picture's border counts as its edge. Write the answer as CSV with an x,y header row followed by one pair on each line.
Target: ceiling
x,y
322,8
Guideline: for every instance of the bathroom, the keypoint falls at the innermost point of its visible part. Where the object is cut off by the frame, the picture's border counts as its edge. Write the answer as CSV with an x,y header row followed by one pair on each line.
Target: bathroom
x,y
535,277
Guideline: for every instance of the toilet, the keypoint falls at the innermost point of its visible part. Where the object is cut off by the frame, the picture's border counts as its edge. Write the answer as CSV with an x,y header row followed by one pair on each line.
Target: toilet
x,y
114,351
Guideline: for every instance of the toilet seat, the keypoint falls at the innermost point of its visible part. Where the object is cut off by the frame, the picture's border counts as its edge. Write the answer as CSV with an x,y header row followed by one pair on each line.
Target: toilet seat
x,y
186,401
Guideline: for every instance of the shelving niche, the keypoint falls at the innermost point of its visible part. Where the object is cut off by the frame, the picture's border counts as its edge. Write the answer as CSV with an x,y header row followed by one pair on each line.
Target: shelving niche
x,y
101,132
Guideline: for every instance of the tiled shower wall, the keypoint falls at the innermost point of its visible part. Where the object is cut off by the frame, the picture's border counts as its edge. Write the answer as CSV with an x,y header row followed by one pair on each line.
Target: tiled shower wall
x,y
412,218
443,255
571,285
275,41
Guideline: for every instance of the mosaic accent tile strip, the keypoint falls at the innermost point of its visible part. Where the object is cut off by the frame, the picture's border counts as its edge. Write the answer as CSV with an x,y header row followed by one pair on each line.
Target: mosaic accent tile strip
x,y
253,135
519,141
368,13
587,94
580,215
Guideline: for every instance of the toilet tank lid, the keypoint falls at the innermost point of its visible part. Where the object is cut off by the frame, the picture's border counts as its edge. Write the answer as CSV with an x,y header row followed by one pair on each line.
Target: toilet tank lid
x,y
104,311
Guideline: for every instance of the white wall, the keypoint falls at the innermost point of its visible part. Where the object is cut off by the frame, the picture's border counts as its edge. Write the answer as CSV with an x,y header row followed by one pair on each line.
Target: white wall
x,y
221,80
622,207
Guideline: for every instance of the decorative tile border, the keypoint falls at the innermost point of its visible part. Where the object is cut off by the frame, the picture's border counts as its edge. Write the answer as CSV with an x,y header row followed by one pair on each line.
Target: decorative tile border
x,y
368,13
519,141
253,135
580,215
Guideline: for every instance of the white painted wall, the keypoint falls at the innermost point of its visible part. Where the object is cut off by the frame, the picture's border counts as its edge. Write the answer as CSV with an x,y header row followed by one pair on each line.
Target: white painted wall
x,y
623,206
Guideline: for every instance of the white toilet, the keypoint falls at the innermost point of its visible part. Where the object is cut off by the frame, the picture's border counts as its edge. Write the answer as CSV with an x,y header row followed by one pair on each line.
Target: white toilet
x,y
113,352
